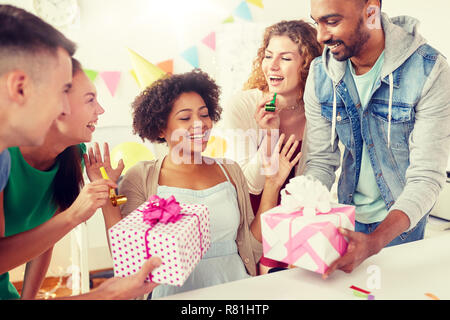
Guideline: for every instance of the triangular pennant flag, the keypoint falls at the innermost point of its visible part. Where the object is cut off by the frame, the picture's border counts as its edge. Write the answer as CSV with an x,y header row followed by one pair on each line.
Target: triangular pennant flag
x,y
146,73
166,66
230,19
92,74
210,40
191,56
111,79
243,11
258,3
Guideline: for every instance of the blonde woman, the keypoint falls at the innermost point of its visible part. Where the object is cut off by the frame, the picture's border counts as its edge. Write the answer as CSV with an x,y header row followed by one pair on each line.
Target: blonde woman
x,y
281,66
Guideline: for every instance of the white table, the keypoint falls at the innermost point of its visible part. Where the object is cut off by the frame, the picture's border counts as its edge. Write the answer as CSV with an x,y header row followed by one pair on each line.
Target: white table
x,y
405,272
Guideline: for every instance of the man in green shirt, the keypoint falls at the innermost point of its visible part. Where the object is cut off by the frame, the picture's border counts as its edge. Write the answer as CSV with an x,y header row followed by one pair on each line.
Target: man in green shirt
x,y
35,76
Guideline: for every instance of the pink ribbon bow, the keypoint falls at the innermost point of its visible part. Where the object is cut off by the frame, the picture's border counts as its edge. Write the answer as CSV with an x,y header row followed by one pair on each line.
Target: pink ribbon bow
x,y
161,210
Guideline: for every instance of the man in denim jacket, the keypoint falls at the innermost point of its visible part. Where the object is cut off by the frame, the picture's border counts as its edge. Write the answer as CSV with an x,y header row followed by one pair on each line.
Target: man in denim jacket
x,y
384,94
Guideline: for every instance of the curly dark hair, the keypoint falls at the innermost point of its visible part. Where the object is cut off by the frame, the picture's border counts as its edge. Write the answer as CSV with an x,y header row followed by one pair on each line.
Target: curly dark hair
x,y
152,107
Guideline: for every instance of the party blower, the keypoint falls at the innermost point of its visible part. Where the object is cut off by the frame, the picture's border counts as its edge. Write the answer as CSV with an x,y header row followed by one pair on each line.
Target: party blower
x,y
271,105
116,200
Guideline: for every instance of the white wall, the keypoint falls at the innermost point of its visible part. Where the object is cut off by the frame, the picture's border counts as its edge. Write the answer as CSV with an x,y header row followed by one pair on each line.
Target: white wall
x,y
161,30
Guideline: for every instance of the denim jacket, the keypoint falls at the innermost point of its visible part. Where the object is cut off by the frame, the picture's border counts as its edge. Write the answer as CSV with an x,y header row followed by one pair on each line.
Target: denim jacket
x,y
406,125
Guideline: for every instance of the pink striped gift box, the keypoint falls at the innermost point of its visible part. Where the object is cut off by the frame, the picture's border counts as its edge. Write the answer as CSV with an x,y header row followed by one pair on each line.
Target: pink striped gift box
x,y
310,242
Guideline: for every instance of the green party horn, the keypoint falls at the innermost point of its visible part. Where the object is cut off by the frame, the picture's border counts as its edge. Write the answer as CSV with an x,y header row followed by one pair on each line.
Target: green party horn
x,y
271,105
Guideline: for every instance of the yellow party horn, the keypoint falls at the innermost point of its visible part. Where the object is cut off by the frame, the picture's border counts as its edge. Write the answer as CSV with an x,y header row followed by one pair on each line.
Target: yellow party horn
x,y
116,200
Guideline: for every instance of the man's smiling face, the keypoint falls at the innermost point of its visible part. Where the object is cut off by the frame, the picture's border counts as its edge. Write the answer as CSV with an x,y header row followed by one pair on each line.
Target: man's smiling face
x,y
341,25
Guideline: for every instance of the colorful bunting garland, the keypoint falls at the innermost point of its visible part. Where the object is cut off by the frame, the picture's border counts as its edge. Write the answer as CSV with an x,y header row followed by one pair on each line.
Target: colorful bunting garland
x,y
243,11
191,56
111,79
166,66
92,74
258,3
210,40
230,19
145,73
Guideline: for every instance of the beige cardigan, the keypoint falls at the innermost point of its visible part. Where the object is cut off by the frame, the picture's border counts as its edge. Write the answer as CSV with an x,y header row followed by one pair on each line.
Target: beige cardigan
x,y
239,113
141,181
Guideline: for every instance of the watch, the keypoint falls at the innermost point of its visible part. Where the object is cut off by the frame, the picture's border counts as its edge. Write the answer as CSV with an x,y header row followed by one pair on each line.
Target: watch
x,y
59,13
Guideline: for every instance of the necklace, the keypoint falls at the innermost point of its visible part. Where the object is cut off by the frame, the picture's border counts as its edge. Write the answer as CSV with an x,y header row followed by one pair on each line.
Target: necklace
x,y
293,107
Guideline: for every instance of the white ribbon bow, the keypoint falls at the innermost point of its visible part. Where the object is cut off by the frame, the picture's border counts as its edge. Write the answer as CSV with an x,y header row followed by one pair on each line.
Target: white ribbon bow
x,y
307,193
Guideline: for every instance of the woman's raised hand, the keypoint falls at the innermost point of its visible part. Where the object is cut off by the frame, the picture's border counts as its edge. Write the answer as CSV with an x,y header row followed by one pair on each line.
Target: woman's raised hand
x,y
279,165
93,161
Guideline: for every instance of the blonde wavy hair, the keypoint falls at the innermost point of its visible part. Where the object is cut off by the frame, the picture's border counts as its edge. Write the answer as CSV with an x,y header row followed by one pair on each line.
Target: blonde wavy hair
x,y
300,32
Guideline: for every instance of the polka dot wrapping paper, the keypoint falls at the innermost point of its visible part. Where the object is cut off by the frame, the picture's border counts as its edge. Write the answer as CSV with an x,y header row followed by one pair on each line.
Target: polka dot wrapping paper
x,y
180,245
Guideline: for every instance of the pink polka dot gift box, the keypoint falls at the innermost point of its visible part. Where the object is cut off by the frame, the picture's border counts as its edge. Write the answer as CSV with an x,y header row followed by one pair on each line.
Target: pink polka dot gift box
x,y
179,234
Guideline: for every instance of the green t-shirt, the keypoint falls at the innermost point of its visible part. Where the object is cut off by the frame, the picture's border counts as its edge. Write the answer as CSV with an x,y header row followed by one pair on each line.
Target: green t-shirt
x,y
369,205
27,203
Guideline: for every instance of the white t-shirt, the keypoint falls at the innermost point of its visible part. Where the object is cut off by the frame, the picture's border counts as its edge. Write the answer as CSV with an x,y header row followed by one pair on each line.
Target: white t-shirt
x,y
369,205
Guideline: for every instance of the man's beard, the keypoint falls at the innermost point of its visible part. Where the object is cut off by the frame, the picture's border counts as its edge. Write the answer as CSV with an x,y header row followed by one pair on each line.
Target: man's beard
x,y
359,38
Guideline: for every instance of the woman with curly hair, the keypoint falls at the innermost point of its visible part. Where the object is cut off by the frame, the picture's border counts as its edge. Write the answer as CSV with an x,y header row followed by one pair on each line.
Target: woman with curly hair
x,y
281,66
180,110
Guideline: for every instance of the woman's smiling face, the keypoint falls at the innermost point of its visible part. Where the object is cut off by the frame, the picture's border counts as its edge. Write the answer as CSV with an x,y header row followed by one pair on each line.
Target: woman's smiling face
x,y
281,65
188,124
79,125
